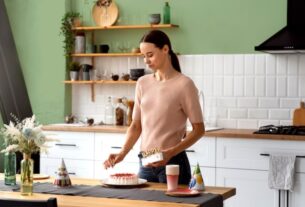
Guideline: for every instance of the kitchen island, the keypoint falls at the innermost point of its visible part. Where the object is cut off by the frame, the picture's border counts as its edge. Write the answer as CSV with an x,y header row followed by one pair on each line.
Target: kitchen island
x,y
227,157
80,201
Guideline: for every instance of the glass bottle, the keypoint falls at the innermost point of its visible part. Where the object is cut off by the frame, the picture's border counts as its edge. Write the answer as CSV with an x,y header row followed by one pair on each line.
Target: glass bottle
x,y
166,14
109,111
26,175
120,113
10,168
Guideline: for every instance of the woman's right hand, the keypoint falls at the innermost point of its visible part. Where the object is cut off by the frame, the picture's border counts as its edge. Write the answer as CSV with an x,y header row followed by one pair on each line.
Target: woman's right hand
x,y
112,160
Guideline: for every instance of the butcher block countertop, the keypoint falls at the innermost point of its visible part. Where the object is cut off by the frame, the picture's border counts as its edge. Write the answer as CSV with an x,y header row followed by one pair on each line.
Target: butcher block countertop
x,y
225,133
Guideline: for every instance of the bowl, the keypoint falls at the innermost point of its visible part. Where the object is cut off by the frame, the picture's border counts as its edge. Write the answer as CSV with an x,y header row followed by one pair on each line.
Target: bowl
x,y
136,73
154,18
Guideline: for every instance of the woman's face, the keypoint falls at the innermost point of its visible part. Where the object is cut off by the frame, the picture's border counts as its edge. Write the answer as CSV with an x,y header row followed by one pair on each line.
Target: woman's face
x,y
154,57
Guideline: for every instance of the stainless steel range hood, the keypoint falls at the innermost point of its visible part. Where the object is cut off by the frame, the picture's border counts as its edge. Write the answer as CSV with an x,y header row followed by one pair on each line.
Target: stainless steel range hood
x,y
290,39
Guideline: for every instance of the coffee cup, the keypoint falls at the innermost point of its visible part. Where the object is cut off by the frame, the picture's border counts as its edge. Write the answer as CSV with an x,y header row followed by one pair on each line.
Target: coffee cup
x,y
104,48
172,176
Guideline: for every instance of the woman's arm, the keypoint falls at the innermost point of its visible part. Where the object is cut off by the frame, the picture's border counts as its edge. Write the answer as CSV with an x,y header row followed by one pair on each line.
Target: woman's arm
x,y
132,135
190,139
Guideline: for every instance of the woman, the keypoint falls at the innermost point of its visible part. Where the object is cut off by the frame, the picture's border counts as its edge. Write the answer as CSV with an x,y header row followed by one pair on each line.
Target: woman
x,y
164,101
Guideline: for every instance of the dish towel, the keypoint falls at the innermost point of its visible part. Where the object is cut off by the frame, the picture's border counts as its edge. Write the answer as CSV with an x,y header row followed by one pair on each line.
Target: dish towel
x,y
281,171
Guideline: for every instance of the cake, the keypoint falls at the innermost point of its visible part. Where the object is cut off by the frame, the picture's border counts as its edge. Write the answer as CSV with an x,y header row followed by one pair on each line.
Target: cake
x,y
123,179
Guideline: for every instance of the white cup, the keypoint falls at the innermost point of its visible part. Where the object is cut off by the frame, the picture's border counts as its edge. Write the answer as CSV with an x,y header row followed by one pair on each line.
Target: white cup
x,y
172,175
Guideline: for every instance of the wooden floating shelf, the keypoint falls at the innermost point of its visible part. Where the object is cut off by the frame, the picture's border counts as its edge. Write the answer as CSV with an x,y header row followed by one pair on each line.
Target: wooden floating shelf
x,y
145,26
105,54
78,82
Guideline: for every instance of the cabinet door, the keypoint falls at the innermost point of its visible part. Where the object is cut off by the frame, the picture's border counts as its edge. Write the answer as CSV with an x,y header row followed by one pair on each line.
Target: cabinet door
x,y
106,143
203,152
71,145
251,188
297,197
75,168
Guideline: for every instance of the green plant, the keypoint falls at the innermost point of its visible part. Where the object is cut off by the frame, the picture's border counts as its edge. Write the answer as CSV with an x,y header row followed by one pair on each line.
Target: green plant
x,y
74,66
67,32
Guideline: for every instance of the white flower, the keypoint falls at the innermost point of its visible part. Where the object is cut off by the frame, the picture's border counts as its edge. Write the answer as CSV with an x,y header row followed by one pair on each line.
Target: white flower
x,y
11,148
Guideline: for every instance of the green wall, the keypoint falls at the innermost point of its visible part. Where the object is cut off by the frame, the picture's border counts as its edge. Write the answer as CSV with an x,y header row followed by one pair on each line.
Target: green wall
x,y
1,146
206,27
35,25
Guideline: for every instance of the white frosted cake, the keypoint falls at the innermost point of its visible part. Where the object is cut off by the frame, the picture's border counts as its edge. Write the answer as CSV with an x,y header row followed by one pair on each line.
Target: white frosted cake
x,y
123,179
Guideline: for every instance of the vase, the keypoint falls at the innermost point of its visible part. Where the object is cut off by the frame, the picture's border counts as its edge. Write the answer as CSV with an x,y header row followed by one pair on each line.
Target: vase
x,y
26,175
10,168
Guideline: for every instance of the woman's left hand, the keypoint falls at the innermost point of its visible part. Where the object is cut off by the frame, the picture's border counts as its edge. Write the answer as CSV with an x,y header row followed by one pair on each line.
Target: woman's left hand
x,y
167,155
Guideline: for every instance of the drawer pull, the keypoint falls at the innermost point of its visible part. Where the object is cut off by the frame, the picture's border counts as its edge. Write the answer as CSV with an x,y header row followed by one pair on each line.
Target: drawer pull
x,y
189,150
72,173
114,147
298,156
66,145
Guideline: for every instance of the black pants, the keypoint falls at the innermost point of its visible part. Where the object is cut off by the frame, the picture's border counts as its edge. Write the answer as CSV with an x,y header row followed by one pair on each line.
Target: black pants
x,y
157,174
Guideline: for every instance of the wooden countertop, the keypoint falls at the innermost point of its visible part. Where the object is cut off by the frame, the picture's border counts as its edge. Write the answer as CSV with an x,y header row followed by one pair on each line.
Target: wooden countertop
x,y
225,133
79,201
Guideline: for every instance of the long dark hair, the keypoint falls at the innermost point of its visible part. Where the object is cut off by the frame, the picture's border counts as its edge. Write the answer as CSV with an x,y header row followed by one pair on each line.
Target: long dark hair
x,y
160,39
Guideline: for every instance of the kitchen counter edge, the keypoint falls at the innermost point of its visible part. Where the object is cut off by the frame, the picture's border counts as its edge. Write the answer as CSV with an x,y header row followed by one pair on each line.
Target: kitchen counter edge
x,y
224,133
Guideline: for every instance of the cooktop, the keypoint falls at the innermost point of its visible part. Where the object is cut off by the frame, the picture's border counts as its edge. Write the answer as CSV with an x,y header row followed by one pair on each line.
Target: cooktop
x,y
289,130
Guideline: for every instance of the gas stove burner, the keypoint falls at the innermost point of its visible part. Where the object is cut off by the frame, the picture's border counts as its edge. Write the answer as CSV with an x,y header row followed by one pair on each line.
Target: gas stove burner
x,y
289,130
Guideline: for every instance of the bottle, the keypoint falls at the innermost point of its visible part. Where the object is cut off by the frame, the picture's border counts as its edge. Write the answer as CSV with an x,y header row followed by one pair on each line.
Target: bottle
x,y
109,112
120,113
166,14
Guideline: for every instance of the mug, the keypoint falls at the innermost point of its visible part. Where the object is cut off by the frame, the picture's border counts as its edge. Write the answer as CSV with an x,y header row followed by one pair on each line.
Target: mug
x,y
104,48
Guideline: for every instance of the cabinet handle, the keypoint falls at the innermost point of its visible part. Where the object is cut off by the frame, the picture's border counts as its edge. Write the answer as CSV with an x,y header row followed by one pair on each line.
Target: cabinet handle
x,y
66,145
72,173
189,150
114,147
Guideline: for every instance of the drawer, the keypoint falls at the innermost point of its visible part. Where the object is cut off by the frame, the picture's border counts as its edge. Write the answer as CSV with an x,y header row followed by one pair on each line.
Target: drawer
x,y
72,145
245,153
106,143
126,167
75,168
203,152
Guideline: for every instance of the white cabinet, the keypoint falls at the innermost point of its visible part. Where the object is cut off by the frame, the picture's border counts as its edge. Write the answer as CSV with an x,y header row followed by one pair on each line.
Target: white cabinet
x,y
76,148
239,164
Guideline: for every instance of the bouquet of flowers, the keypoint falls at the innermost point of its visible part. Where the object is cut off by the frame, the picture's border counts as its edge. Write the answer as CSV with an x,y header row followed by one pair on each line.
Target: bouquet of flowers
x,y
25,136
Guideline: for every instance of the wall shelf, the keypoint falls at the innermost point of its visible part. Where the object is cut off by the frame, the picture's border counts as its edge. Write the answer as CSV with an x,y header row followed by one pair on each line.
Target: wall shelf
x,y
92,83
144,26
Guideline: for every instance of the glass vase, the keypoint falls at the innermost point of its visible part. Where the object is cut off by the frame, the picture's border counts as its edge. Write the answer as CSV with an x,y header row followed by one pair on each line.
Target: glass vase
x,y
10,168
26,175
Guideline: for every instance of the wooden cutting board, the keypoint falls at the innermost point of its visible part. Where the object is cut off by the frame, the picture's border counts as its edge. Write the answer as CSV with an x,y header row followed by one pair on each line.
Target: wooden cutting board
x,y
299,115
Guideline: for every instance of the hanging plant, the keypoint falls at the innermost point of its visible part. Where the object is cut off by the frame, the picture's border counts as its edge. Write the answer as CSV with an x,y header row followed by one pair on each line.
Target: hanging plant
x,y
66,30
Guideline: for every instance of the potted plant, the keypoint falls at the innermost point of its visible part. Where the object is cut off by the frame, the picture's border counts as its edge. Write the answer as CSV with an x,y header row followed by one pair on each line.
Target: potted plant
x,y
68,21
74,68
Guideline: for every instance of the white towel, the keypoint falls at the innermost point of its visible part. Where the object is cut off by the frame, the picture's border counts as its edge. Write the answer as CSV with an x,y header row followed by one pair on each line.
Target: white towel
x,y
281,171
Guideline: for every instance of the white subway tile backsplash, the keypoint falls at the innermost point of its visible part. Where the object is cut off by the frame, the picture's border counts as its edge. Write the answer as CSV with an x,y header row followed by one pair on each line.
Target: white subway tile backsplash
x,y
238,113
279,114
270,64
247,102
270,86
249,86
292,67
247,124
228,86
260,64
260,88
281,86
258,114
289,103
241,90
281,65
292,86
228,64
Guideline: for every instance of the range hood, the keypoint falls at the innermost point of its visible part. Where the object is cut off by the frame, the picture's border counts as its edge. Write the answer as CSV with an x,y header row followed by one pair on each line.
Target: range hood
x,y
290,39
